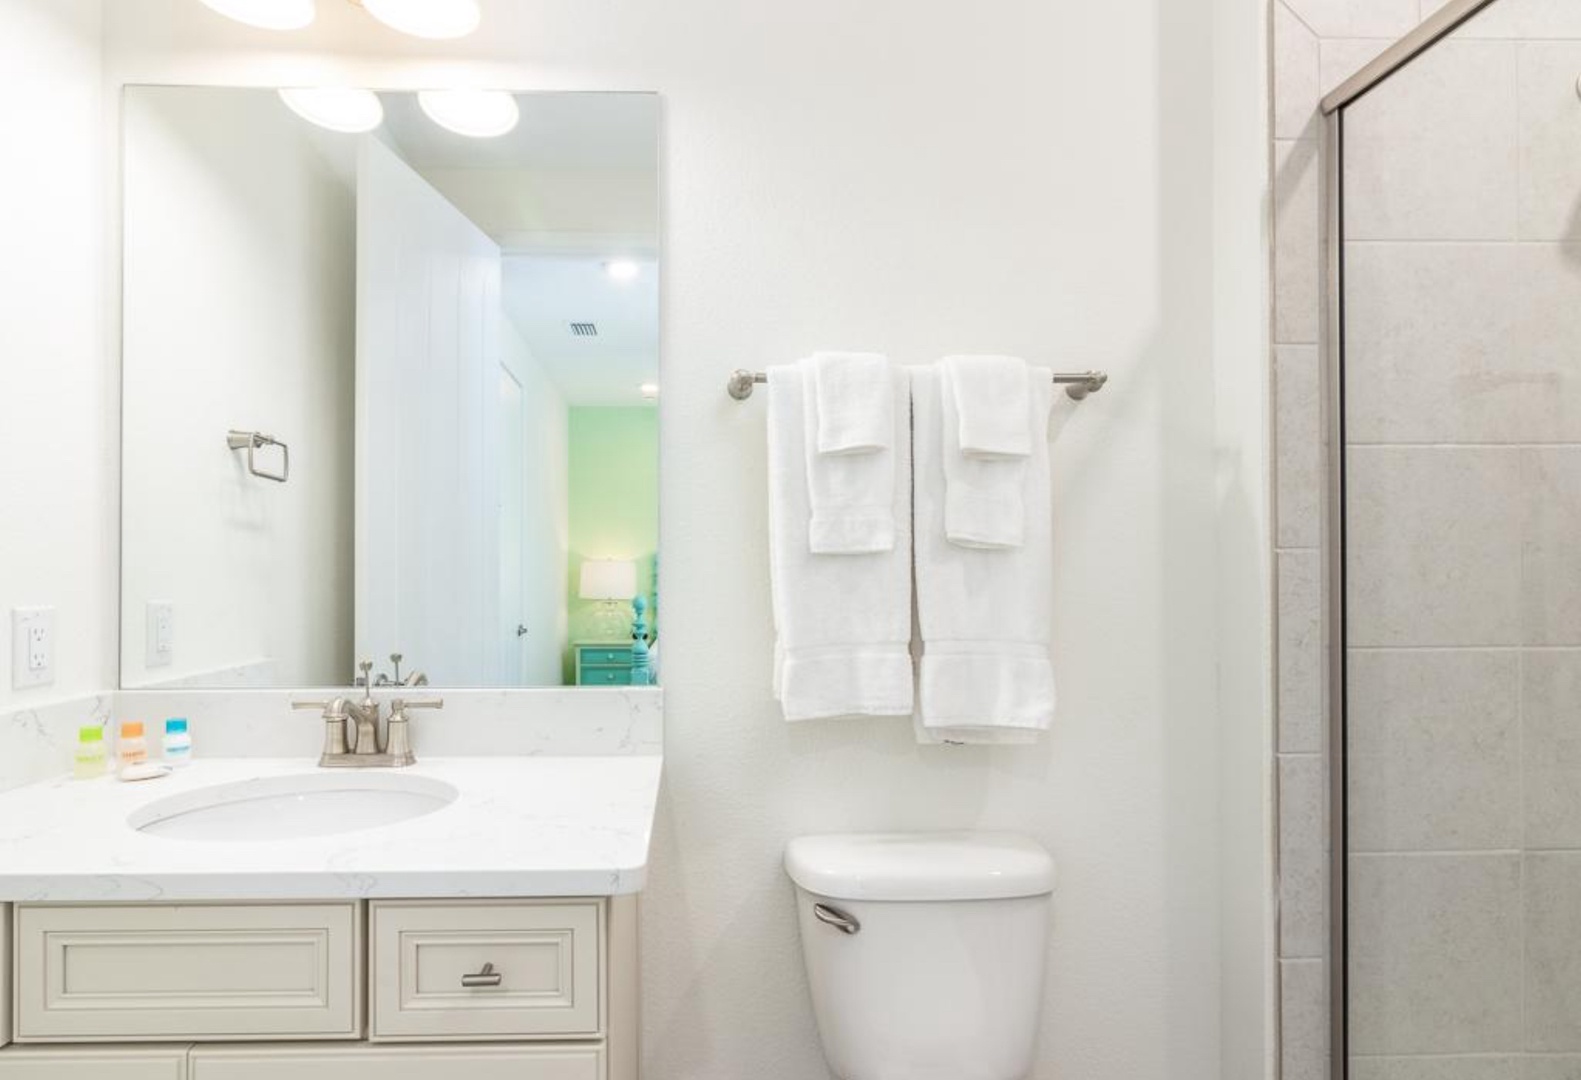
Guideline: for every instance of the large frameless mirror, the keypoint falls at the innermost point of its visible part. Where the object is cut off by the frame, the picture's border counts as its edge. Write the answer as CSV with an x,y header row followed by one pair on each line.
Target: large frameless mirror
x,y
390,389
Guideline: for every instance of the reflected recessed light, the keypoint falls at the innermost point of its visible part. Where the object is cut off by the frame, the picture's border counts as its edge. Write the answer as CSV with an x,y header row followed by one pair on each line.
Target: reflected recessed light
x,y
650,390
481,114
427,18
339,108
623,270
267,14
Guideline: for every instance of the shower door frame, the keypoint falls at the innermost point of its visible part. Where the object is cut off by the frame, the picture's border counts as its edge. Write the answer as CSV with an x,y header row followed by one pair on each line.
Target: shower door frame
x,y
1434,29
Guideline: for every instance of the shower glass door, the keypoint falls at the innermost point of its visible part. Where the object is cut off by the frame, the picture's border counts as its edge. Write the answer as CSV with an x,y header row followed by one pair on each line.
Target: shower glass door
x,y
1460,429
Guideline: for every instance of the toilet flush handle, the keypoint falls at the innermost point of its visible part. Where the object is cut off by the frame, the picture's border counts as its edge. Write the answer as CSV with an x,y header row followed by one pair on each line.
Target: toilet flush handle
x,y
833,916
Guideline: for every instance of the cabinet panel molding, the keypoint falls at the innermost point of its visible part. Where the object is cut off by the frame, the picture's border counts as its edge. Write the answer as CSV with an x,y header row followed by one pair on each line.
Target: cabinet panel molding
x,y
147,972
5,974
94,1063
411,1062
486,970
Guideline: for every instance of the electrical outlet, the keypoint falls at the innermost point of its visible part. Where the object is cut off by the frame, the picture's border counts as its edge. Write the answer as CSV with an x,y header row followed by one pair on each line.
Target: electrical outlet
x,y
159,636
32,647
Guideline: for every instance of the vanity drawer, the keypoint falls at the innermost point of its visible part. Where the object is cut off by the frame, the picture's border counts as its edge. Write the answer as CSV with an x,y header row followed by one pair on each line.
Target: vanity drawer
x,y
193,972
97,1063
399,1063
431,979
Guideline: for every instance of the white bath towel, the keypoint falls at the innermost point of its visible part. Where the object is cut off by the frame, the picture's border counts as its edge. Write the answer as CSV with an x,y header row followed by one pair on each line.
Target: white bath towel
x,y
842,622
986,676
854,401
984,410
852,493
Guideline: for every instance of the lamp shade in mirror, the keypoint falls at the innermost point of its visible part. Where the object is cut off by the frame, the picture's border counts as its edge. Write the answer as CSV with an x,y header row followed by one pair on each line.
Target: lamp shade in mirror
x,y
608,579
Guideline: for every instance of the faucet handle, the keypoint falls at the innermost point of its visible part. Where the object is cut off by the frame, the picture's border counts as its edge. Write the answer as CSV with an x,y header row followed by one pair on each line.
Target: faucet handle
x,y
398,707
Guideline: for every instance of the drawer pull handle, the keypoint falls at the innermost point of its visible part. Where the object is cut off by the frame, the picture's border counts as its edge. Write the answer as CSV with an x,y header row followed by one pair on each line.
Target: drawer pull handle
x,y
487,977
836,918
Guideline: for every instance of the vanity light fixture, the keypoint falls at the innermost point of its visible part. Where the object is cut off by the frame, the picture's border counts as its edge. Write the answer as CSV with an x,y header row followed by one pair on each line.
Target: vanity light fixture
x,y
345,109
267,14
438,19
478,114
623,270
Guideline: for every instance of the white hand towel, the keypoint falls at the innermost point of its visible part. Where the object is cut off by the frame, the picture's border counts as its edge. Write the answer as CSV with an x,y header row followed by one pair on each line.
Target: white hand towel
x,y
990,404
842,622
855,402
985,615
984,410
852,494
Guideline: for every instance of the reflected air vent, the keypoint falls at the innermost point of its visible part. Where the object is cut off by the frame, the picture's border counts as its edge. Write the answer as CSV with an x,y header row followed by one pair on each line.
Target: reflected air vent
x,y
583,329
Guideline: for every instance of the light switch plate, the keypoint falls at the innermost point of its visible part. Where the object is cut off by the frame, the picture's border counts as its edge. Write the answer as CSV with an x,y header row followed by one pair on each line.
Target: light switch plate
x,y
159,636
32,647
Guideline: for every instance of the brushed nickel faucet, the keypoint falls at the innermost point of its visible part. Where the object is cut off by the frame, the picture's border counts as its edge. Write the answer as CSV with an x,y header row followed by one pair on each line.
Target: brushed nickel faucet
x,y
360,747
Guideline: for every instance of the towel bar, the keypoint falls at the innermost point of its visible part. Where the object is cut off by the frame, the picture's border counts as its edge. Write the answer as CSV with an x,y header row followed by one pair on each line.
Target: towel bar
x,y
1078,384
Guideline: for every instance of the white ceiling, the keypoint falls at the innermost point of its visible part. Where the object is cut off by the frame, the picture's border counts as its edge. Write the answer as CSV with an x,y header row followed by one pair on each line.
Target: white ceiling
x,y
557,130
542,294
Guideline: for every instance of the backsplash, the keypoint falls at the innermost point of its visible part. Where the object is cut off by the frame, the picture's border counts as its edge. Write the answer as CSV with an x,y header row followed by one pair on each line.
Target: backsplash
x,y
37,743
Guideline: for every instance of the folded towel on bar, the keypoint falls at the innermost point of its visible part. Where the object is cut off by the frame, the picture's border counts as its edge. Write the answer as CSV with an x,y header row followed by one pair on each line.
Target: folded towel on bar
x,y
985,614
854,401
852,492
984,406
842,622
990,396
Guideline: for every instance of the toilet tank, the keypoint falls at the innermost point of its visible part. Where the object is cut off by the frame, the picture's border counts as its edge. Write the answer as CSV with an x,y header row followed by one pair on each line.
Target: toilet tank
x,y
925,953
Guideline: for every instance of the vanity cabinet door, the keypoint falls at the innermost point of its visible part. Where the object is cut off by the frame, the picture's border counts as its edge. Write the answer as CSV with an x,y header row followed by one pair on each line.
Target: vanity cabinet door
x,y
5,974
189,972
398,1063
486,970
97,1063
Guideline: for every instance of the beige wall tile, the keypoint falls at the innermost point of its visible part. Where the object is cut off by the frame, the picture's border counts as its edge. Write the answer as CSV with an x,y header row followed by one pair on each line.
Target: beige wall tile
x,y
1480,1067
1551,747
1550,141
1431,154
1552,1067
1298,464
1433,556
1303,857
1435,954
1300,623
1295,80
1551,527
1357,18
1504,19
1553,951
1340,58
1298,241
1303,1020
1433,741
1429,345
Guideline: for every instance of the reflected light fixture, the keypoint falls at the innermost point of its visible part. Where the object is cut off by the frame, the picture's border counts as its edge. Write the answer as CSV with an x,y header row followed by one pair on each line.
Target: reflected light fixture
x,y
339,108
623,270
439,19
267,14
478,114
649,391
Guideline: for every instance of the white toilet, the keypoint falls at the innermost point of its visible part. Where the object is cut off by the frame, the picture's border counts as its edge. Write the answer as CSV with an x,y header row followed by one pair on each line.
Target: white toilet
x,y
925,952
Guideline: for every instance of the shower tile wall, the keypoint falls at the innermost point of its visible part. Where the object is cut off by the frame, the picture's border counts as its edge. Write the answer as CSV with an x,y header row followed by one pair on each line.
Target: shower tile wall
x,y
1464,456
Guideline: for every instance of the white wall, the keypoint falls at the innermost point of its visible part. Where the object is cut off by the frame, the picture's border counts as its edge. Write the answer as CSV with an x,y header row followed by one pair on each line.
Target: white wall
x,y
427,492
545,499
226,326
57,394
1019,175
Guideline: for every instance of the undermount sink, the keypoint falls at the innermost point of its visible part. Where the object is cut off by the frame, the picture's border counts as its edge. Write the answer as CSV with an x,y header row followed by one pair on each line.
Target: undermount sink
x,y
293,807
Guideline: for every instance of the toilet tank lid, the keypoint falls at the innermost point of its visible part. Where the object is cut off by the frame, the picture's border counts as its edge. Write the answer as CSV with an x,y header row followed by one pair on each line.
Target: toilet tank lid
x,y
920,866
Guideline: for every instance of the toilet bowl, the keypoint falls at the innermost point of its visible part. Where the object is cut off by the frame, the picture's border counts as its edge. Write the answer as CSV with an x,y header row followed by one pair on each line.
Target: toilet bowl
x,y
925,952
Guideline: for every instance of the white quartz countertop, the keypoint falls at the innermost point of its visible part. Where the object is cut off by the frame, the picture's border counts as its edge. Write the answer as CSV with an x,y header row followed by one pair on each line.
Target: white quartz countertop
x,y
521,826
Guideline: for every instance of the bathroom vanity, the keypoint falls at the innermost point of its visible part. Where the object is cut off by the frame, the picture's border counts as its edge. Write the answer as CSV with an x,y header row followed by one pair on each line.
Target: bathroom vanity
x,y
494,933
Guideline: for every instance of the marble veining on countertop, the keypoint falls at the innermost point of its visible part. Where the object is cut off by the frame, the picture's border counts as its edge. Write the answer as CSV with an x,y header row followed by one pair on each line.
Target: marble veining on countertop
x,y
521,826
